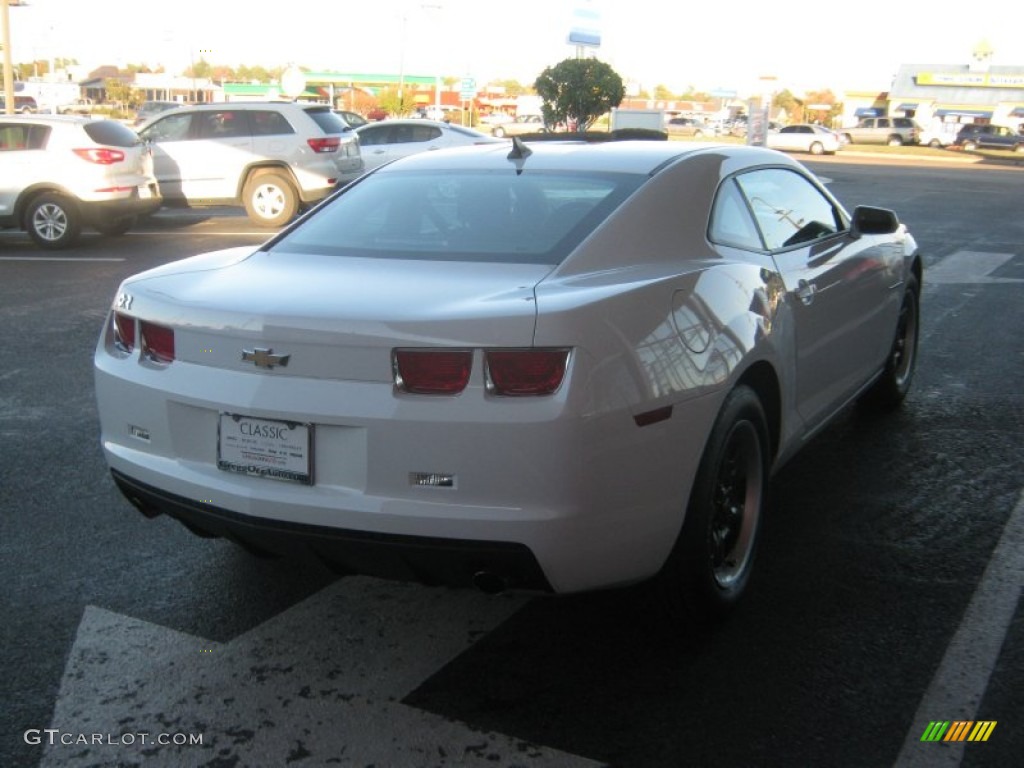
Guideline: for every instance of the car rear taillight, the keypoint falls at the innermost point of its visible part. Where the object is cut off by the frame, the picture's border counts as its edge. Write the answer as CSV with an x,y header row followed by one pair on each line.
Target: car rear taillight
x,y
327,144
157,342
432,371
124,332
100,155
525,372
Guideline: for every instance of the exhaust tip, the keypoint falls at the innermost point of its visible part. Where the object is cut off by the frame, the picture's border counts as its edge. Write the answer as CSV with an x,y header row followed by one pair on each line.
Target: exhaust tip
x,y
489,583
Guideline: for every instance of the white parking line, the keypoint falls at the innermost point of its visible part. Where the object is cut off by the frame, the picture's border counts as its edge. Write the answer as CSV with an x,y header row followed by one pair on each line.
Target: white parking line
x,y
959,684
59,258
970,267
325,680
264,234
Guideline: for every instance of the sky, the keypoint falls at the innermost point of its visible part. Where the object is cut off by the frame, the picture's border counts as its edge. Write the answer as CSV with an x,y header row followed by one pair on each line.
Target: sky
x,y
737,45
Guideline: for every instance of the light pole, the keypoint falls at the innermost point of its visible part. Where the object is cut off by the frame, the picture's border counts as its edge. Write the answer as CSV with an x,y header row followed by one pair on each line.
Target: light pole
x,y
401,60
5,20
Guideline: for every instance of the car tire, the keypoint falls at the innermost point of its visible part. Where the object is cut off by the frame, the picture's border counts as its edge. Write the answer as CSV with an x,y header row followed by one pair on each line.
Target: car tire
x,y
499,132
970,146
710,566
817,148
270,199
893,385
53,221
895,141
115,227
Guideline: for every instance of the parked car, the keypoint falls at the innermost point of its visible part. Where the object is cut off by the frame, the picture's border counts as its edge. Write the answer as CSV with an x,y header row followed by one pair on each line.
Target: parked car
x,y
554,367
441,113
973,136
941,135
352,119
25,105
59,174
272,157
520,125
390,139
77,107
151,108
496,118
688,126
805,137
894,131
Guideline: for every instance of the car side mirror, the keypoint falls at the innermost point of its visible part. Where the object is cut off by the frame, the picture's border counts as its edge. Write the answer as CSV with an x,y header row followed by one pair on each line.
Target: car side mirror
x,y
868,220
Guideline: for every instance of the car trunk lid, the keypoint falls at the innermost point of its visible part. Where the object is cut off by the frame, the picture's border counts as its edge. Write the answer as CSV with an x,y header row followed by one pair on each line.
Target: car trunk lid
x,y
335,317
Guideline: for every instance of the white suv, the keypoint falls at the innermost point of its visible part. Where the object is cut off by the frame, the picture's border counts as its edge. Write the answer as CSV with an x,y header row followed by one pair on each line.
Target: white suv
x,y
60,173
273,157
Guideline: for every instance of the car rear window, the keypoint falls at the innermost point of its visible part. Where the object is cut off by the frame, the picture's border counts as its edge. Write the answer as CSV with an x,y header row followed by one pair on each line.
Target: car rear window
x,y
467,132
111,133
328,121
533,218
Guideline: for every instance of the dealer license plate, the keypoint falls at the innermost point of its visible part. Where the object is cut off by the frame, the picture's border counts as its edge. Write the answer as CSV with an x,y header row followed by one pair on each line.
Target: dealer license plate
x,y
278,450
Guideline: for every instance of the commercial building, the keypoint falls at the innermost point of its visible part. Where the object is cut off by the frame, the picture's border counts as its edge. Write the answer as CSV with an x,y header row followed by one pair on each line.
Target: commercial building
x,y
935,94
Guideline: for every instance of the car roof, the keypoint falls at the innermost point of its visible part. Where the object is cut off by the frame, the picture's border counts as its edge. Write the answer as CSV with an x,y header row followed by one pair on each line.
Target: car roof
x,y
407,121
643,157
52,119
219,105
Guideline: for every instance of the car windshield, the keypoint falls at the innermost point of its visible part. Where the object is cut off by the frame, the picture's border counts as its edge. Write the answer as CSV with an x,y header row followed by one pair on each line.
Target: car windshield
x,y
535,218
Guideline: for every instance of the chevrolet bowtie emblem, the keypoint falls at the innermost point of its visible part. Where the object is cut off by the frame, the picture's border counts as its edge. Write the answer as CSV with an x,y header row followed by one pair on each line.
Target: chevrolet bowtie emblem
x,y
264,358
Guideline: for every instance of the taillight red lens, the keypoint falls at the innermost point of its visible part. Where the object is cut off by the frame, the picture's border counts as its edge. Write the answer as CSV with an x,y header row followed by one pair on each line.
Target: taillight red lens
x,y
432,371
157,342
525,372
100,155
328,144
124,332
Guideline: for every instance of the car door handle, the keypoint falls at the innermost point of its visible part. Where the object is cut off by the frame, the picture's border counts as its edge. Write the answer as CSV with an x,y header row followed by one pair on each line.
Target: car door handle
x,y
805,291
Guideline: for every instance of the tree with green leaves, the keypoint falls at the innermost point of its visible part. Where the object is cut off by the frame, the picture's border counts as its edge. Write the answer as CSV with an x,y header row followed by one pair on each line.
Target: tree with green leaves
x,y
121,92
578,91
391,102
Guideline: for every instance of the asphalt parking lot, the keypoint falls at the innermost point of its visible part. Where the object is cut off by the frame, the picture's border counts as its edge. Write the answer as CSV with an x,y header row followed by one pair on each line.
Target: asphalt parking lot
x,y
888,597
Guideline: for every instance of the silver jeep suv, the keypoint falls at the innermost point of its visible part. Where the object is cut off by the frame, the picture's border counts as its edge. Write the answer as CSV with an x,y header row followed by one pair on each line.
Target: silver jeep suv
x,y
59,173
272,157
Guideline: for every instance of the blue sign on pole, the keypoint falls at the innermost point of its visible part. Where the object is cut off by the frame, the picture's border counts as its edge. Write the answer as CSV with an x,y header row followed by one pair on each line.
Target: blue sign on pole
x,y
585,29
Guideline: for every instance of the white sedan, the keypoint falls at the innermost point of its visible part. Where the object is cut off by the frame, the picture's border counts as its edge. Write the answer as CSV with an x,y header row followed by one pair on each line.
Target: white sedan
x,y
389,140
553,370
805,137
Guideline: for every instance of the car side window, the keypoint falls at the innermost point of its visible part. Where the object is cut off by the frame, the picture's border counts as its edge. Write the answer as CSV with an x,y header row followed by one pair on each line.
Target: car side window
x,y
731,221
416,133
222,124
21,137
171,128
372,136
269,123
788,208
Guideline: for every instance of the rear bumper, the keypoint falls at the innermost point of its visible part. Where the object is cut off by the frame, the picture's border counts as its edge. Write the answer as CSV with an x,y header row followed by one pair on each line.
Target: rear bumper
x,y
134,205
451,562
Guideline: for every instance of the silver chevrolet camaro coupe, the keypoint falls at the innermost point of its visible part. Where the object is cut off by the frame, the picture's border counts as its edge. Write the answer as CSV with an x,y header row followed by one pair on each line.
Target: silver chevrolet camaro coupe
x,y
551,367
